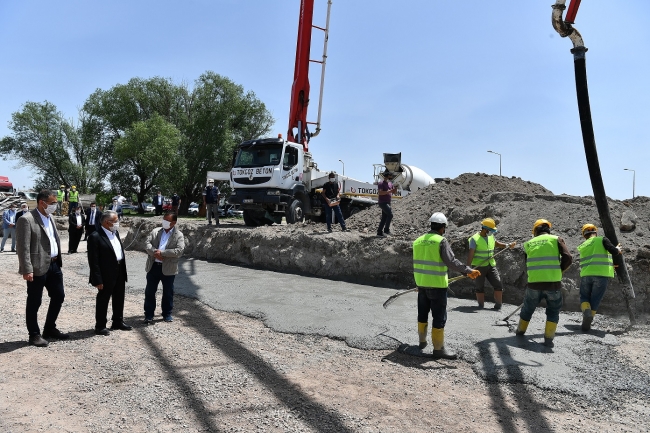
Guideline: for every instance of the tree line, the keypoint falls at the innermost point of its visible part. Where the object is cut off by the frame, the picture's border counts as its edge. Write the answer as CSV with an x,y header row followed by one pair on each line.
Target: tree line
x,y
140,137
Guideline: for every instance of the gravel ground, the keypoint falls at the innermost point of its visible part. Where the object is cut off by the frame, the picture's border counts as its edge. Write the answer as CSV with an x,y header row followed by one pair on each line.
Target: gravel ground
x,y
222,372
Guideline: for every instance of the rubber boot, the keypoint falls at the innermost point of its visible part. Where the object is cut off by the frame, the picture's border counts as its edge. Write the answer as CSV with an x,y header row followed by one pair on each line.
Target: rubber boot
x,y
480,297
438,339
498,299
549,333
587,316
523,325
422,333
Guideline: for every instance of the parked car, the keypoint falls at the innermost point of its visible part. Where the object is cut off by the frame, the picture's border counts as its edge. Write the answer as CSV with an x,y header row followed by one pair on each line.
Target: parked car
x,y
129,207
222,211
167,205
235,212
193,209
148,207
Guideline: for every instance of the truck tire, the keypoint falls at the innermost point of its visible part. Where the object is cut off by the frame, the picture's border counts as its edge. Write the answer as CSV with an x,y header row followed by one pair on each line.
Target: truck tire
x,y
295,213
354,209
249,218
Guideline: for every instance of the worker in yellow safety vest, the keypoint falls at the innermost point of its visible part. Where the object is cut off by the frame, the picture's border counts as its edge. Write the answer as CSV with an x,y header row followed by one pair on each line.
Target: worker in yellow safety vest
x,y
547,256
432,256
74,197
481,257
596,268
60,196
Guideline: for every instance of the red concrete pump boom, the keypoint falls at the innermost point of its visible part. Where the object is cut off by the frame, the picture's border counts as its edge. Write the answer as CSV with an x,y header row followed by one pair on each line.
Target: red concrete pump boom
x,y
298,131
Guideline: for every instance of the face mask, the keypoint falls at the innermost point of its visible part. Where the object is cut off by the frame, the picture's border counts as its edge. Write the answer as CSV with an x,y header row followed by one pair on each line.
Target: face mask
x,y
78,212
50,209
114,203
166,225
93,208
24,209
114,227
332,179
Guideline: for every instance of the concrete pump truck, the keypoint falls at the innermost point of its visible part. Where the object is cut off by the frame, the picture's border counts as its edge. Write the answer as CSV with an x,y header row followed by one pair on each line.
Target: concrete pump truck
x,y
274,178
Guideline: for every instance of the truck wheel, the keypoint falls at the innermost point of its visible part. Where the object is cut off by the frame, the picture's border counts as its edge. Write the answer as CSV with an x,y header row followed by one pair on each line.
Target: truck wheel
x,y
354,210
295,213
249,219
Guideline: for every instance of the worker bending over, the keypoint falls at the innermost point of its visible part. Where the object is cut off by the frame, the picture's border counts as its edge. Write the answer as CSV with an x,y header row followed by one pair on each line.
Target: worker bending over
x,y
432,256
596,268
547,257
481,257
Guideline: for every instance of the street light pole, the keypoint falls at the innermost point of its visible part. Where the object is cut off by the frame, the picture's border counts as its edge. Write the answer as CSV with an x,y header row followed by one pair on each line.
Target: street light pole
x,y
489,151
633,179
343,166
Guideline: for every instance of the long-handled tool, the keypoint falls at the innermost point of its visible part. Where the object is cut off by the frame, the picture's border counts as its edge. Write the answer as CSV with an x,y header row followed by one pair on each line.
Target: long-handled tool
x,y
451,280
504,321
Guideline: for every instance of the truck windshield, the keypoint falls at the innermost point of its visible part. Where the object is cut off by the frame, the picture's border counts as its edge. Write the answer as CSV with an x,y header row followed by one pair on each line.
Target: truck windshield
x,y
259,156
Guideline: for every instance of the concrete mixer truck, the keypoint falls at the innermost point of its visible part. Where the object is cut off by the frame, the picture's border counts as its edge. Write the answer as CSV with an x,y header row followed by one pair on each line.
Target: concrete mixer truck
x,y
272,178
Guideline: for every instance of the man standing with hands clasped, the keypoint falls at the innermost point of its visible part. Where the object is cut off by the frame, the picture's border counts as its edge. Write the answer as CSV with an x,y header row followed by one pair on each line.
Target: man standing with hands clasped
x,y
385,191
332,198
108,273
39,261
164,246
9,227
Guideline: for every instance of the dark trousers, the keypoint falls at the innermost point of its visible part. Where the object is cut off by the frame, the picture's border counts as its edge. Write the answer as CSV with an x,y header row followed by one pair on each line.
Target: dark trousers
x,y
434,300
53,282
386,218
155,276
159,209
328,215
103,296
89,230
75,238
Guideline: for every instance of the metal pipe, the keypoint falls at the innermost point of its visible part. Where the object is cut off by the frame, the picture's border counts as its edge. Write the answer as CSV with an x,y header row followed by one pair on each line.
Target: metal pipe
x,y
499,160
326,30
633,179
591,153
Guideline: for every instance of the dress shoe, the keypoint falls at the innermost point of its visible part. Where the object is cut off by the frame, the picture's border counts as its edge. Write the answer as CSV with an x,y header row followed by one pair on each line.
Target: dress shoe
x,y
55,334
38,341
168,318
148,321
102,331
121,326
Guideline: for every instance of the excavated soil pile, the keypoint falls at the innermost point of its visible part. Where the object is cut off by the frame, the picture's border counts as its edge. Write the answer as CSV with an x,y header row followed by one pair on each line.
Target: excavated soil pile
x,y
360,256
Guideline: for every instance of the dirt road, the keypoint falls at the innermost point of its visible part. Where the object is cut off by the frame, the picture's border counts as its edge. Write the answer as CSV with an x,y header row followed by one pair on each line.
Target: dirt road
x,y
216,371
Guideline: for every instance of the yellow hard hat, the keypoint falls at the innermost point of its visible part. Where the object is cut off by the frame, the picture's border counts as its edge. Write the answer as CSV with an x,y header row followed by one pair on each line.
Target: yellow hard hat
x,y
74,186
489,223
540,222
589,228
62,186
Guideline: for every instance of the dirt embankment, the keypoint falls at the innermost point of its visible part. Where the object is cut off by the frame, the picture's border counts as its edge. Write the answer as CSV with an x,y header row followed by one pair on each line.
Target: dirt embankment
x,y
361,257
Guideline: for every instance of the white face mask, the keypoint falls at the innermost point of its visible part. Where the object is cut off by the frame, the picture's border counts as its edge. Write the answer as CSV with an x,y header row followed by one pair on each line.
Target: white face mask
x,y
24,209
332,179
115,227
78,212
50,209
166,225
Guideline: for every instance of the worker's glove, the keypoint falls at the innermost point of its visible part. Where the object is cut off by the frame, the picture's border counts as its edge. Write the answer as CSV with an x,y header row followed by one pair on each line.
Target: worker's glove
x,y
512,245
474,274
620,250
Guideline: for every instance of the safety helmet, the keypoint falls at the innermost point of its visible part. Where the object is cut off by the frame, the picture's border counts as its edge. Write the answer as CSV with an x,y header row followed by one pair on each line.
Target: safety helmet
x,y
589,228
540,222
438,218
74,187
489,224
210,180
62,186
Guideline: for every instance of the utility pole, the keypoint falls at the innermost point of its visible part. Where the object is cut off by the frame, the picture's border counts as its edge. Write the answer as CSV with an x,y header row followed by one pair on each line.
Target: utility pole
x,y
633,179
343,166
489,151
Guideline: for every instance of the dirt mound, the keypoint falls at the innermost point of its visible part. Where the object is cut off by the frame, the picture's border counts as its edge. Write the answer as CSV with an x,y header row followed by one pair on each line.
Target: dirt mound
x,y
360,256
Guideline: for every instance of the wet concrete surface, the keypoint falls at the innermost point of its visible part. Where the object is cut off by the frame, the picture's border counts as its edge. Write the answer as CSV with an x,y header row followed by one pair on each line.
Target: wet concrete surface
x,y
581,365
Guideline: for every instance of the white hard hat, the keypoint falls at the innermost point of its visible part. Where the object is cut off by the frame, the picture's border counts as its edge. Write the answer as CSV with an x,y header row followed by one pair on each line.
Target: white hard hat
x,y
439,218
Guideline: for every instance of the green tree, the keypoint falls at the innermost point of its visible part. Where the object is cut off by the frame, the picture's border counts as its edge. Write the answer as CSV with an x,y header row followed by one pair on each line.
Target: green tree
x,y
53,146
148,156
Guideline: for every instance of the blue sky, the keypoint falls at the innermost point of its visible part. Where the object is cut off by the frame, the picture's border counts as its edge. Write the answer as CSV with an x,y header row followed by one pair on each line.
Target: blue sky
x,y
442,82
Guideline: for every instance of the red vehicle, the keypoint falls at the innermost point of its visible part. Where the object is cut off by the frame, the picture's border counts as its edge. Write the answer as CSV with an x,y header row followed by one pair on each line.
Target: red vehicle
x,y
5,185
167,205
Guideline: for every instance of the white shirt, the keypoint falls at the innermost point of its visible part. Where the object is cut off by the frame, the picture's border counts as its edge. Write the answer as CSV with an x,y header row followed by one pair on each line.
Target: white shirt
x,y
78,216
115,242
163,241
54,248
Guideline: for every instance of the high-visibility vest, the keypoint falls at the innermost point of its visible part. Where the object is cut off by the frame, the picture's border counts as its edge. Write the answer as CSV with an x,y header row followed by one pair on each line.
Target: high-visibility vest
x,y
483,255
60,194
74,196
543,259
428,268
595,260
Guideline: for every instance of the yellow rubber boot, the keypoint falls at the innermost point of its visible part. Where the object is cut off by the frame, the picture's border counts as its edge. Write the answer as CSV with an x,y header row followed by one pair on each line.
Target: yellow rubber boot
x,y
498,299
549,333
521,328
480,298
587,316
422,333
438,339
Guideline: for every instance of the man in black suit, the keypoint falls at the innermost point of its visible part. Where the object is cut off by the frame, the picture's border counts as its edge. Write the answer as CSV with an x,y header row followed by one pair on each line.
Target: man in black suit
x,y
76,222
158,201
93,218
108,272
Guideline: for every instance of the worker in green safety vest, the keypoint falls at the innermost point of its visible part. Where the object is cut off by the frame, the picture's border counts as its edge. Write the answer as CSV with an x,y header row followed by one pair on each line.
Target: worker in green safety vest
x,y
432,256
74,197
60,197
547,256
596,268
480,256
